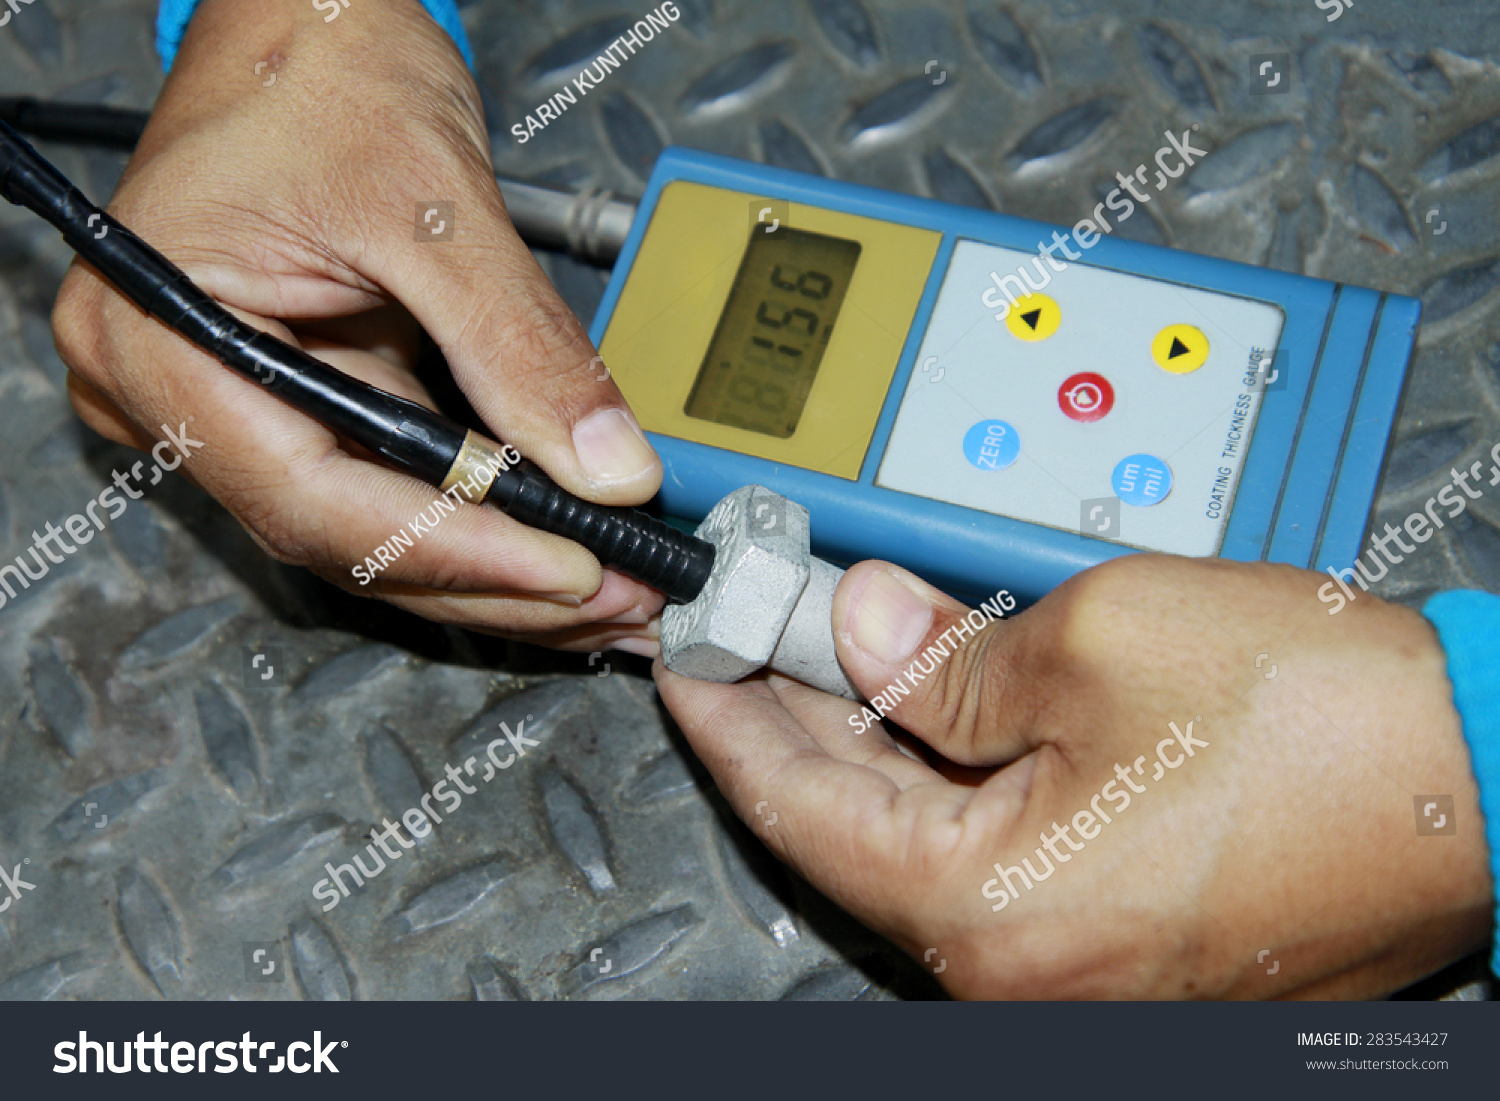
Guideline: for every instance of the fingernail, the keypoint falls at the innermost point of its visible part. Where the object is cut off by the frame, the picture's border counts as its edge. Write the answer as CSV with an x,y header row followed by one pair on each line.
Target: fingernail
x,y
572,600
611,447
641,646
888,619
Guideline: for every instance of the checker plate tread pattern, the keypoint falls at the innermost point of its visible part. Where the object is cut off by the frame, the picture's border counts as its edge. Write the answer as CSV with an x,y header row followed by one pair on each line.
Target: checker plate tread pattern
x,y
176,807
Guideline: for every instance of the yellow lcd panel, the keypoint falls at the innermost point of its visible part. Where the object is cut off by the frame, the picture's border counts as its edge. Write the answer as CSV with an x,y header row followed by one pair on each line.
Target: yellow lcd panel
x,y
689,287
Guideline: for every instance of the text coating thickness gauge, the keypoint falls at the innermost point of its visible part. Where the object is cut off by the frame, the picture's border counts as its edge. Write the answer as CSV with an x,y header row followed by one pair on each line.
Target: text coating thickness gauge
x,y
940,395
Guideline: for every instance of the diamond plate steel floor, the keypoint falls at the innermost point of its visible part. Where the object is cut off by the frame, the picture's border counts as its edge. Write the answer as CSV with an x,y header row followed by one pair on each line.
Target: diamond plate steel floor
x,y
176,809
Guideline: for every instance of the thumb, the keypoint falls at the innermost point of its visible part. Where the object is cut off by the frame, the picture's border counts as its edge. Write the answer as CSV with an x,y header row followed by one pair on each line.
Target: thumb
x,y
947,673
517,351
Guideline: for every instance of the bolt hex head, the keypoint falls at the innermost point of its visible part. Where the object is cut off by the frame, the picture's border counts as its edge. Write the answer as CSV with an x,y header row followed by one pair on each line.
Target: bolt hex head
x,y
763,562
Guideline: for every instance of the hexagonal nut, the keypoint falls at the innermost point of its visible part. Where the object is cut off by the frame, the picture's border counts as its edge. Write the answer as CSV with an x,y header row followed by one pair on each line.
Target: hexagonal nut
x,y
761,567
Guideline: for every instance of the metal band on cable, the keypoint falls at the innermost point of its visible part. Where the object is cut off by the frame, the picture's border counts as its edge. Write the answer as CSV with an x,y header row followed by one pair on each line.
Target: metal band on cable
x,y
477,464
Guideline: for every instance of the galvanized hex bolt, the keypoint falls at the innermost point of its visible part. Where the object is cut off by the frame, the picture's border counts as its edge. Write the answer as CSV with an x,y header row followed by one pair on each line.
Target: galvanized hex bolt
x,y
768,602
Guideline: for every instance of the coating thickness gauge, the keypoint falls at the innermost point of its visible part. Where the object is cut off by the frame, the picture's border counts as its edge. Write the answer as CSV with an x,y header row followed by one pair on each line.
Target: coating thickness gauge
x,y
940,395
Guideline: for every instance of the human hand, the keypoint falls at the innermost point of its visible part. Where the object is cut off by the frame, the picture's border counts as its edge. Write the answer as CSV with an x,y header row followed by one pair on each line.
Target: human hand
x,y
294,205
1280,859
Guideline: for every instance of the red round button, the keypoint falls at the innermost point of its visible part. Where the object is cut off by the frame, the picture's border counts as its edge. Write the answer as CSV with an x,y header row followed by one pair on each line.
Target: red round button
x,y
1086,397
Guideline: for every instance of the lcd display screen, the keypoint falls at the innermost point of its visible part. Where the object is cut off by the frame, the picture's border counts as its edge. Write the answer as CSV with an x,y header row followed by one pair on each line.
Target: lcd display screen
x,y
770,339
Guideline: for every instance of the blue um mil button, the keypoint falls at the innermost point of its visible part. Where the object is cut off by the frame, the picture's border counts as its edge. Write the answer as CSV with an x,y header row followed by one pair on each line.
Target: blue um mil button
x,y
1142,480
992,445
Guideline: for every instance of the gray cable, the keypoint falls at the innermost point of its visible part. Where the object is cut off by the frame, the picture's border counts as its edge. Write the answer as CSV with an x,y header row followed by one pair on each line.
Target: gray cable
x,y
590,224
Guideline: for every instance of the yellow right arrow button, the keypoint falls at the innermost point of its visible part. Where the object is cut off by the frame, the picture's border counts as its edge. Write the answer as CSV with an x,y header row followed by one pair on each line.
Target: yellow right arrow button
x,y
1180,349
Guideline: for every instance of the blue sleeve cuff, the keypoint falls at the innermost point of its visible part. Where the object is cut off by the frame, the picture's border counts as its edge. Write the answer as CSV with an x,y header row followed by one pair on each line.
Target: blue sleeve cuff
x,y
1468,623
173,15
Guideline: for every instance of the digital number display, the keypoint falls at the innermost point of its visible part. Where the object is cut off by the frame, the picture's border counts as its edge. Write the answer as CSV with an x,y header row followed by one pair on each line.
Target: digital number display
x,y
774,329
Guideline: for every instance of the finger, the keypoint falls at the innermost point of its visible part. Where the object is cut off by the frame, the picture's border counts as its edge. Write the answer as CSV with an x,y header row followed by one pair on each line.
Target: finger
x,y
389,332
519,354
325,507
620,602
961,685
374,368
873,846
589,638
834,724
111,422
377,367
104,416
739,730
640,641
306,500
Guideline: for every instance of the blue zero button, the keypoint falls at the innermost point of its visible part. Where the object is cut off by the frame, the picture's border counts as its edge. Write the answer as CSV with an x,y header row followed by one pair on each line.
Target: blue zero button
x,y
992,445
1142,480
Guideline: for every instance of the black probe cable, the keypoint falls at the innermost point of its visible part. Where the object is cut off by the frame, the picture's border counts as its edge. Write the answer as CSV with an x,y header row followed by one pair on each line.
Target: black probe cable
x,y
413,438
80,123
